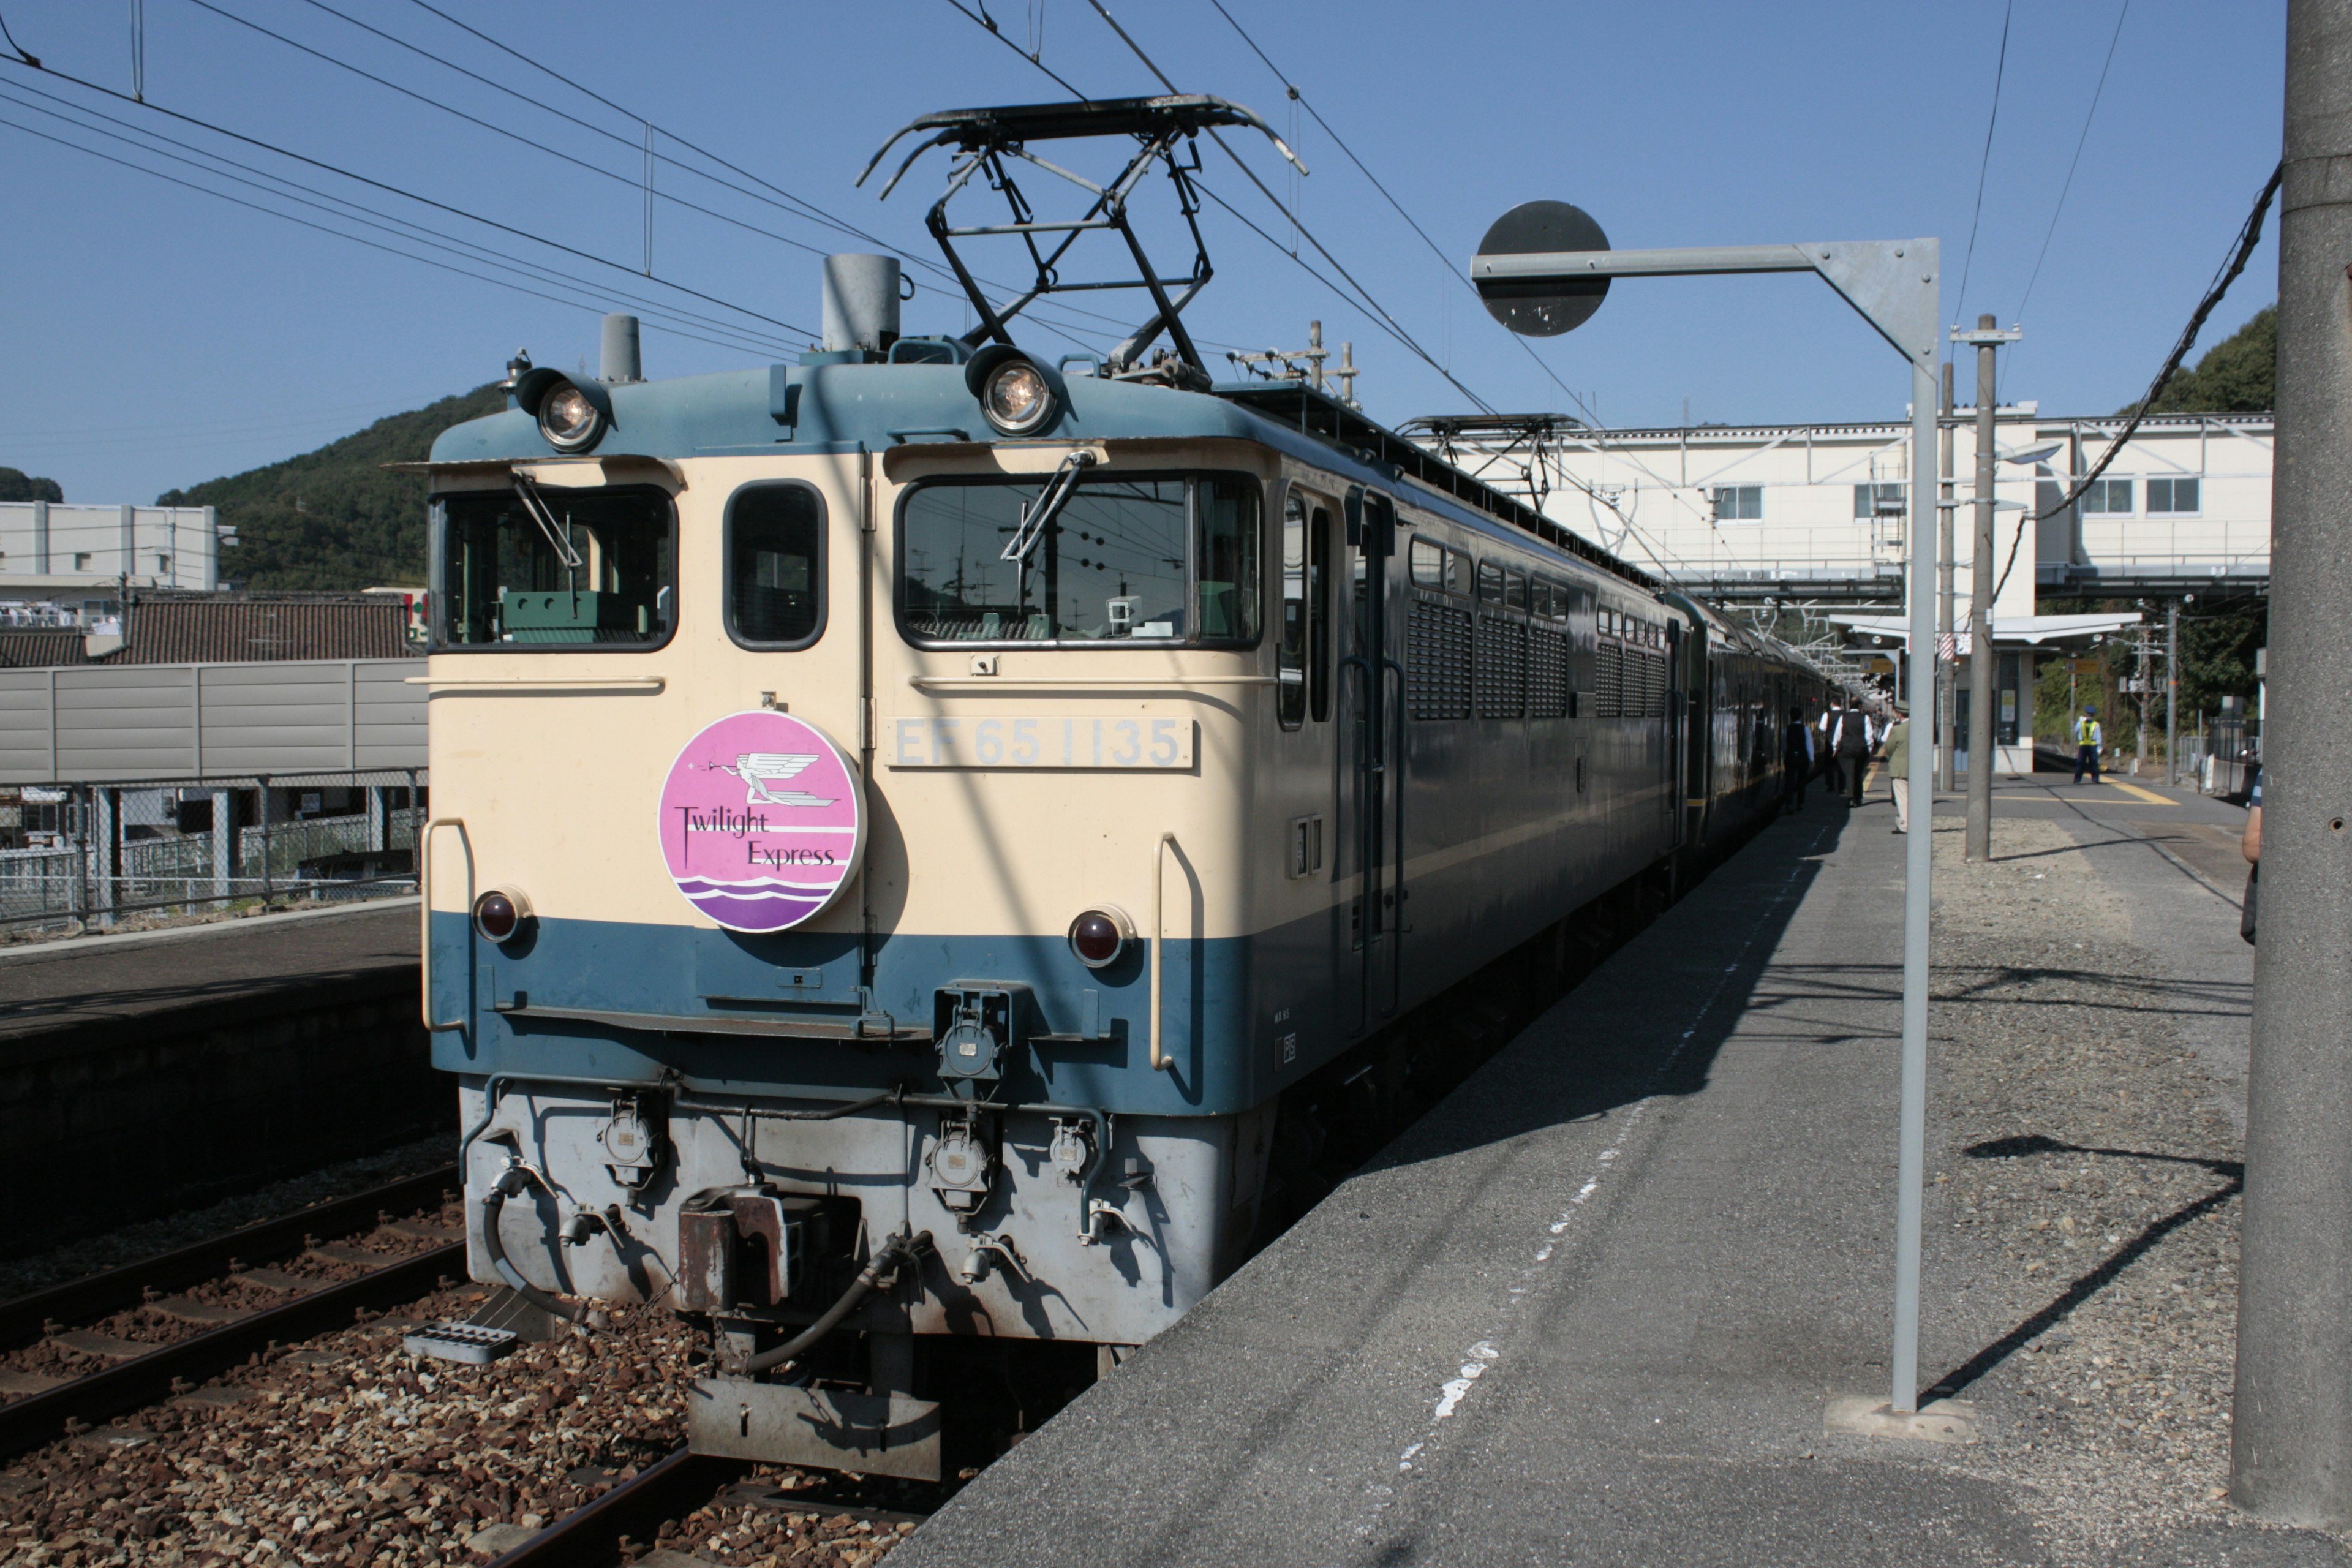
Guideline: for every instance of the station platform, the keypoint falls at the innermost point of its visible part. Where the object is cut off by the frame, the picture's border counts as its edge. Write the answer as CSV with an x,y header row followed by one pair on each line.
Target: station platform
x,y
1597,1306
179,975
158,1070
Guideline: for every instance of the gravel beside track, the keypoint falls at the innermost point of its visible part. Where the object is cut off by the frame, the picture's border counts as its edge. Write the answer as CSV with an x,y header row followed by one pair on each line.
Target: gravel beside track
x,y
2087,1190
348,1450
93,1254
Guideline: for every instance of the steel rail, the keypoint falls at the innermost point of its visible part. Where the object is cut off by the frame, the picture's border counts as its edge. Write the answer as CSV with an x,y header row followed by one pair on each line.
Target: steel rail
x,y
98,1295
589,1535
27,1424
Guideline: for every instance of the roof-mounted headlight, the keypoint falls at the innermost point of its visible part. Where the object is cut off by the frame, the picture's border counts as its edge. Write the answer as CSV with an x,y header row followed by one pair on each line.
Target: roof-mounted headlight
x,y
568,420
1015,393
573,414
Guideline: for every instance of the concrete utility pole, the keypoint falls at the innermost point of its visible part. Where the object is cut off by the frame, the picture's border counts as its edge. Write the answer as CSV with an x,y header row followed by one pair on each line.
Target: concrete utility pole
x,y
1947,576
2172,693
2290,1436
2292,1430
1982,667
2140,742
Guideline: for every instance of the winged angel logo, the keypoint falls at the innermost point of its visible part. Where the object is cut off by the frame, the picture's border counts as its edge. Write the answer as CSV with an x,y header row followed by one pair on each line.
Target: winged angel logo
x,y
763,821
762,771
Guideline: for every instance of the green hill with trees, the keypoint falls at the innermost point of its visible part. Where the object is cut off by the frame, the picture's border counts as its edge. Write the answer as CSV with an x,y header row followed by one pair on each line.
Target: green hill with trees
x,y
2238,375
333,519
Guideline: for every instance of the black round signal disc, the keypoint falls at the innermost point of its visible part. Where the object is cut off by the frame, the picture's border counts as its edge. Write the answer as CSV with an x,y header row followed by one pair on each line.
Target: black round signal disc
x,y
1543,308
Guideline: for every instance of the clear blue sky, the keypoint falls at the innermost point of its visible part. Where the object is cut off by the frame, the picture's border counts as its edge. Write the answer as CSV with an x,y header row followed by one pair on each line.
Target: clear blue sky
x,y
154,337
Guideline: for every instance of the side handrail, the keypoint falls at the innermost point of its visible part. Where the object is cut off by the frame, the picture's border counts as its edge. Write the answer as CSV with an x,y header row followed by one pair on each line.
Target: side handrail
x,y
425,897
1160,1060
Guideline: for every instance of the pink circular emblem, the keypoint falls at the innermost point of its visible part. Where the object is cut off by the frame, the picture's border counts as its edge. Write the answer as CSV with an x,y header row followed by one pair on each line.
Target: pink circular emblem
x,y
763,821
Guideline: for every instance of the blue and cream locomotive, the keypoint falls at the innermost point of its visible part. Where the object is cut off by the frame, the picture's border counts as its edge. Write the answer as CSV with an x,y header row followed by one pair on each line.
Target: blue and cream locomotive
x,y
907,823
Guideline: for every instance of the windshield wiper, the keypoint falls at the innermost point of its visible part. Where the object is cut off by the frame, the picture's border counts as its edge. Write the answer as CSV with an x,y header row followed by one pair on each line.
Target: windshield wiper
x,y
1037,516
534,504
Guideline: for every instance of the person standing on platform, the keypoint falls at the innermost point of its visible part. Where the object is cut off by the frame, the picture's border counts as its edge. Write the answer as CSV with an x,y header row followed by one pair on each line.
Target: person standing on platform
x,y
1851,746
2250,844
1796,761
1898,764
1833,778
2087,741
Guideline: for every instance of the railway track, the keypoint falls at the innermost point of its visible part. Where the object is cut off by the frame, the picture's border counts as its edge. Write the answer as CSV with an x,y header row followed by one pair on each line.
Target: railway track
x,y
684,1488
177,1366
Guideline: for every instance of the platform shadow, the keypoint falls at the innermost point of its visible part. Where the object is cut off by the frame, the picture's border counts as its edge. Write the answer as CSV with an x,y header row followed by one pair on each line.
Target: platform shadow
x,y
1609,1043
2092,1281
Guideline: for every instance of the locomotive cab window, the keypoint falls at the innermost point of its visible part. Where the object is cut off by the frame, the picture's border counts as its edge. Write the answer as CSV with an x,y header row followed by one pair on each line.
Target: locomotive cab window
x,y
550,568
1171,560
1303,654
775,597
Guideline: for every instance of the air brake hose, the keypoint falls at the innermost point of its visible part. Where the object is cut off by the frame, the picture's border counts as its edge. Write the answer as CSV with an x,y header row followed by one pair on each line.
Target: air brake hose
x,y
493,1202
896,1250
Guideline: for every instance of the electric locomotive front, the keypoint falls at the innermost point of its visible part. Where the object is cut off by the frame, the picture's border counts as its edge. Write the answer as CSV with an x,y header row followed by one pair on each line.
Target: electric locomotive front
x,y
836,867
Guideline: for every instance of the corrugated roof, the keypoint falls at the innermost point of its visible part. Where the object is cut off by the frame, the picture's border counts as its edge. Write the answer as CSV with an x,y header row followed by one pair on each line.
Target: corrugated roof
x,y
234,629
38,647
227,628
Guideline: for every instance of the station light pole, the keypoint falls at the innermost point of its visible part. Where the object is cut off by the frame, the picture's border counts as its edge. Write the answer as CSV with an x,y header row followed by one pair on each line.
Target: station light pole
x,y
1982,668
1545,288
1946,571
2291,1433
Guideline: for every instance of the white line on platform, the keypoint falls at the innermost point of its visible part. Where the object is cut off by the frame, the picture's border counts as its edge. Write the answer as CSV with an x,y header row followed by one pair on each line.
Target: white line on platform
x,y
1483,1355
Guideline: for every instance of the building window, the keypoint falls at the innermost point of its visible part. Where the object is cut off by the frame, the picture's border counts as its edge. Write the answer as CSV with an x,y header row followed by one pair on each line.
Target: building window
x,y
2172,498
163,564
1879,500
1740,503
2107,497
81,560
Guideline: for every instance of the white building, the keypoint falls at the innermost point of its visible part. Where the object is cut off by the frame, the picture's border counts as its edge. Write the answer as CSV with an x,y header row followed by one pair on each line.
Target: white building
x,y
1817,516
64,564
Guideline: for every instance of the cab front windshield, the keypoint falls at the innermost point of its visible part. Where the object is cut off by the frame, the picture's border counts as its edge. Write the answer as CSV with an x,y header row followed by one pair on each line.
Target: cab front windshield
x,y
1123,559
550,567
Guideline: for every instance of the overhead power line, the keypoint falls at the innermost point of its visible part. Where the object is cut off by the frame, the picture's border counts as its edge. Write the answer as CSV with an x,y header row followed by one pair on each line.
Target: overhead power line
x,y
390,189
656,312
2248,236
1984,162
2074,163
322,228
1453,269
766,192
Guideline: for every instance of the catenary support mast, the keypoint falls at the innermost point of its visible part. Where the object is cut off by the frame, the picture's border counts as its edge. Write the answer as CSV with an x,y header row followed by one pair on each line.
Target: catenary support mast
x,y
2291,1439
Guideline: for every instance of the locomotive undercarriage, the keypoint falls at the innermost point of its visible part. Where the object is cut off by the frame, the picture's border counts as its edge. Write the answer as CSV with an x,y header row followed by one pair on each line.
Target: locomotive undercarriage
x,y
816,1244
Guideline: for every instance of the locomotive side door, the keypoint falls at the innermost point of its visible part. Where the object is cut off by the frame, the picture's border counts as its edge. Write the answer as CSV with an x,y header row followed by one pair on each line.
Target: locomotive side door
x,y
1372,784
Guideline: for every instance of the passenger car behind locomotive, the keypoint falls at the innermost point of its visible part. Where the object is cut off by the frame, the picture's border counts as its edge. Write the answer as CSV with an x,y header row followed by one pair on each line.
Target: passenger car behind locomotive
x,y
903,821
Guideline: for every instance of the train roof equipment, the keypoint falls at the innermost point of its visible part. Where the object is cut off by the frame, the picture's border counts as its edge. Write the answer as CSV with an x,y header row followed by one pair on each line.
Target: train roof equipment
x,y
1165,129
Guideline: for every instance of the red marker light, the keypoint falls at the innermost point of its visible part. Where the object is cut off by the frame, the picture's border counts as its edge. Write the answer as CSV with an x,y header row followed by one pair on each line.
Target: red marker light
x,y
1098,936
499,914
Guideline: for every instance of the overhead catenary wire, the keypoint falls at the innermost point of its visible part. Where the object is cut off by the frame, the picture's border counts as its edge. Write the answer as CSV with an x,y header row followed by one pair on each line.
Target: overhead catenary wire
x,y
1298,95
2074,163
2248,236
322,228
1379,313
1984,160
656,312
775,195
390,189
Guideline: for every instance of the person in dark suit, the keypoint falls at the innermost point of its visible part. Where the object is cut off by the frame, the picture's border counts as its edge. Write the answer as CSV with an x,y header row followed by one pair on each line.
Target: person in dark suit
x,y
1796,761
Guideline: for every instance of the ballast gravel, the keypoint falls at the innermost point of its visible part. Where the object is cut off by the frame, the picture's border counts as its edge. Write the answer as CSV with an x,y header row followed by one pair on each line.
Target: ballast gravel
x,y
348,1450
2087,1187
96,1254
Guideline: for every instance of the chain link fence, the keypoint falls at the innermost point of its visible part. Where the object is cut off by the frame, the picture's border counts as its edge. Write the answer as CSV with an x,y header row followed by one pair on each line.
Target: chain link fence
x,y
99,854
